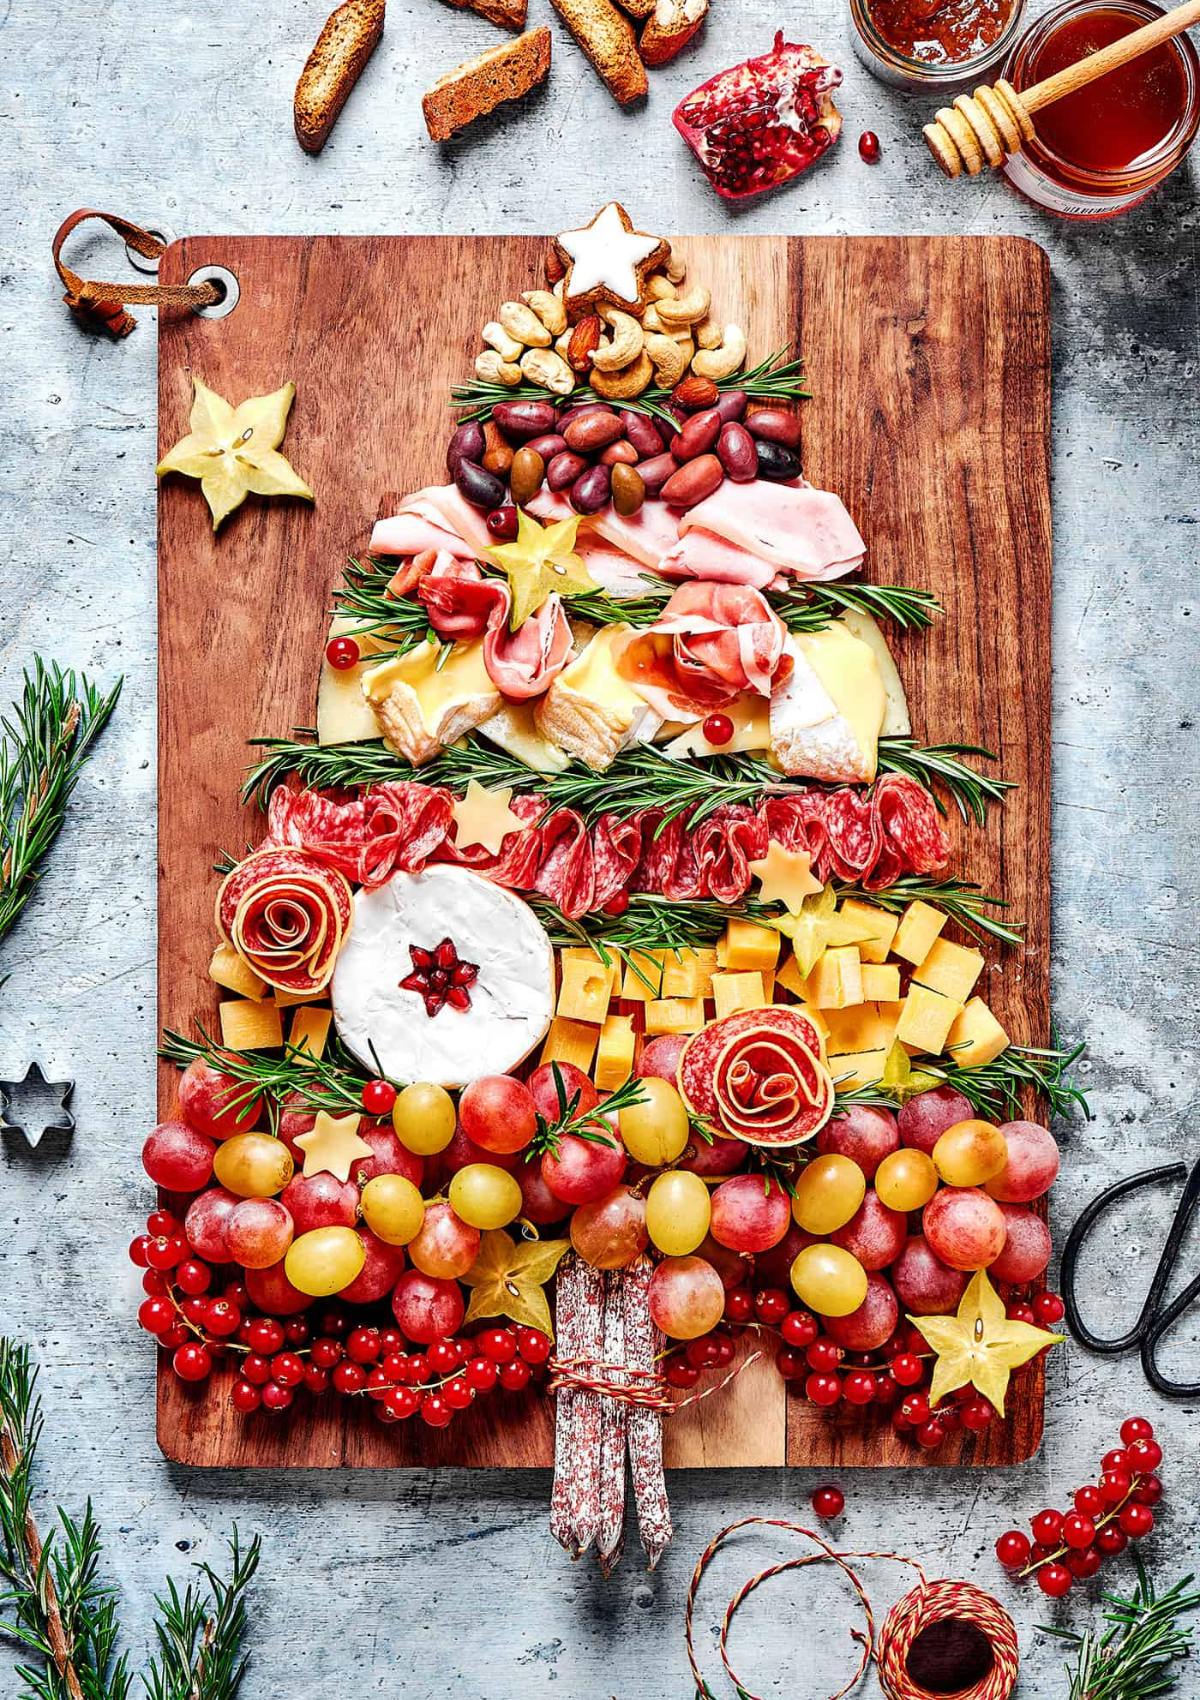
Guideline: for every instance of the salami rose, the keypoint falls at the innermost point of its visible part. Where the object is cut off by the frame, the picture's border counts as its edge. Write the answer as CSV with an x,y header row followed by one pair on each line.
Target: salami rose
x,y
758,1077
286,915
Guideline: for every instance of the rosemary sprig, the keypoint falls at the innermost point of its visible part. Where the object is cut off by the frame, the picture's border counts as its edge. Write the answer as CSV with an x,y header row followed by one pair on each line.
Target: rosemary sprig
x,y
592,1125
332,1082
774,379
813,606
67,1618
940,764
964,902
44,744
1138,1655
364,598
995,1090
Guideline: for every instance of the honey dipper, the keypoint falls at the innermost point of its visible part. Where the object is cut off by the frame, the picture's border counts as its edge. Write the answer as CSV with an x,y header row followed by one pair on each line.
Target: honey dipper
x,y
984,128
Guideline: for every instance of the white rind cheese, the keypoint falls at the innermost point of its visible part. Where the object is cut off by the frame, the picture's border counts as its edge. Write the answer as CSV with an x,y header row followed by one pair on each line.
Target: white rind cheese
x,y
512,1001
826,719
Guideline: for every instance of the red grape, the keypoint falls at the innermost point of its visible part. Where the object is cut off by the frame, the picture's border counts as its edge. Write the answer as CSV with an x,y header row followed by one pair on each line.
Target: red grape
x,y
271,1291
178,1157
427,1309
925,1118
748,1215
717,1156
544,1088
1032,1163
538,1203
611,1233
215,1103
1027,1245
446,1246
863,1134
686,1297
205,1223
583,1170
660,1058
872,1324
388,1157
498,1113
258,1232
964,1226
875,1234
320,1201
924,1284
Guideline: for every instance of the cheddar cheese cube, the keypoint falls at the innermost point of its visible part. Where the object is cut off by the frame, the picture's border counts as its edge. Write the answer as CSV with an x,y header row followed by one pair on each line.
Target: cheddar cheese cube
x,y
643,966
586,990
247,1026
879,926
688,974
290,1000
976,1037
734,992
951,969
570,1041
790,977
584,953
864,1027
674,1015
234,973
926,1019
856,1068
880,981
749,946
614,1058
836,981
919,926
310,1030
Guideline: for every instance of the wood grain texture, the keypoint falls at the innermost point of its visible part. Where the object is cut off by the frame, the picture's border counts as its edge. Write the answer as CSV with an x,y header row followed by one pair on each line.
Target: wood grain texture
x,y
929,363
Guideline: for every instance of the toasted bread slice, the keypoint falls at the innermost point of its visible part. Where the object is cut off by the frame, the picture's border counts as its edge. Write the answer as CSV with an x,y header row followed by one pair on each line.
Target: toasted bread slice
x,y
509,14
607,38
347,41
480,85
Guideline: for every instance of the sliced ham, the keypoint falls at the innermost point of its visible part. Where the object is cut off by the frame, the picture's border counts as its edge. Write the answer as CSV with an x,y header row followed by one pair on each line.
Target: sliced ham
x,y
433,518
770,528
644,537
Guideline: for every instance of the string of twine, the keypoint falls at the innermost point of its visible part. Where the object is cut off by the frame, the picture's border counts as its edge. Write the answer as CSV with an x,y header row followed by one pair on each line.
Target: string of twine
x,y
646,1389
926,1604
102,305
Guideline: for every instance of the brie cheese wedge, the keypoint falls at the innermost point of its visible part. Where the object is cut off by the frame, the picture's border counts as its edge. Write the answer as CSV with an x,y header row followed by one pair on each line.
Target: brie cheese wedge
x,y
826,719
512,1000
751,730
591,711
424,700
896,719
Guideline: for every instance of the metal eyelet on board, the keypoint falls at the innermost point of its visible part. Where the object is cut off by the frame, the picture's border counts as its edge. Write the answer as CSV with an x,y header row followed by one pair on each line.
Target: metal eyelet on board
x,y
145,262
220,275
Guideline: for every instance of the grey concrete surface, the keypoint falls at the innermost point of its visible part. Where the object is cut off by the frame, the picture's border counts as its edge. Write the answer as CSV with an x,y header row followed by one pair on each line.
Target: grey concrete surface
x,y
432,1584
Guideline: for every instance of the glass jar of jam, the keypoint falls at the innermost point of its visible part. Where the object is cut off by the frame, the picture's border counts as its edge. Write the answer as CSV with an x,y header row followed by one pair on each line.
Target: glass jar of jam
x,y
938,46
1103,149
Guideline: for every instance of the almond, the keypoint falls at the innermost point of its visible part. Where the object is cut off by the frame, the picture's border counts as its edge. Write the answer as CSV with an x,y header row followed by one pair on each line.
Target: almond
x,y
585,340
695,393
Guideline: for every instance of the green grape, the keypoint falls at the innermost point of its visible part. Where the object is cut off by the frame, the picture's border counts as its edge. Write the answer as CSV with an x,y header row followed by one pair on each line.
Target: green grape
x,y
484,1196
906,1180
393,1209
828,1280
424,1118
828,1193
677,1212
324,1261
970,1153
656,1130
254,1165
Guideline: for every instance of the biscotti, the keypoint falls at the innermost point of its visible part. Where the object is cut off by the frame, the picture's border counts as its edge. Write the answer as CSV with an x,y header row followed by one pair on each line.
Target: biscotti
x,y
509,14
335,64
609,42
480,85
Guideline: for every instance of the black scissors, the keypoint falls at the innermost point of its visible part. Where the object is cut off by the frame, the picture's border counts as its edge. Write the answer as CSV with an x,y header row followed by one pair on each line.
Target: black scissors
x,y
1153,1322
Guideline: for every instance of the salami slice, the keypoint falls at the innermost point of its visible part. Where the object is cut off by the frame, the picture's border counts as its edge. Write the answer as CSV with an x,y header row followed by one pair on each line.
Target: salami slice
x,y
758,1076
287,915
911,824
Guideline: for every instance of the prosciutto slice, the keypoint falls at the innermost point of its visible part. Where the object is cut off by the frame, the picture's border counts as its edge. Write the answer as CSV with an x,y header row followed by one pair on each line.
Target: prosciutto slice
x,y
789,528
726,639
523,663
461,603
644,537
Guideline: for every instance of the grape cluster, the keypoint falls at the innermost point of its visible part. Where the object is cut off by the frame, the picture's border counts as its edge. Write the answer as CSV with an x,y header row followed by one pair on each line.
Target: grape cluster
x,y
1068,1547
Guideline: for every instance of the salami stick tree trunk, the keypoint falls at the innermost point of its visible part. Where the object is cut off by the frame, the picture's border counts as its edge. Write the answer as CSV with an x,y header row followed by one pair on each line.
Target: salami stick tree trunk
x,y
614,1422
575,1501
642,1345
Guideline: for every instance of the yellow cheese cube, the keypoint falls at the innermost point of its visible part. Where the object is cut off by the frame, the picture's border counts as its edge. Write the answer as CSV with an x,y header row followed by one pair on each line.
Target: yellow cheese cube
x,y
233,972
817,1017
570,1041
863,1027
926,1019
310,1030
791,978
614,1058
688,974
289,1000
877,922
976,1036
648,963
733,992
836,981
919,926
583,953
881,981
747,945
951,969
585,991
856,1068
674,1015
247,1026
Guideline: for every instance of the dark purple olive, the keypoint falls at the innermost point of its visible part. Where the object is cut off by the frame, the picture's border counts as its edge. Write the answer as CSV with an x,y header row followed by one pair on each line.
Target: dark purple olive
x,y
737,452
467,443
655,471
775,462
731,404
591,490
643,433
564,469
521,420
479,487
548,446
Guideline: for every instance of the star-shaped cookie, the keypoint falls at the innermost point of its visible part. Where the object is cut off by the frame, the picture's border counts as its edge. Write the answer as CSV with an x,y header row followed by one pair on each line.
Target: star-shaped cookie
x,y
608,261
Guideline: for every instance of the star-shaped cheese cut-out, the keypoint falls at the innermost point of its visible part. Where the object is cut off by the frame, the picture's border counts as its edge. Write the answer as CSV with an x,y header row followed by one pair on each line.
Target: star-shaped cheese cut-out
x,y
818,927
332,1145
785,876
980,1344
540,561
610,257
483,817
234,452
508,1279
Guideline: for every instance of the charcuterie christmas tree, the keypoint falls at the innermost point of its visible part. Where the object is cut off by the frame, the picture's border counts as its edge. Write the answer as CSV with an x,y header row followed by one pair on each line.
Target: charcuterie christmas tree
x,y
606,982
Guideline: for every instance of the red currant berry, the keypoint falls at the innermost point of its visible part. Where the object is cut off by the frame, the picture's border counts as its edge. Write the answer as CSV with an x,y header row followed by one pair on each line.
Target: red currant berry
x,y
1083,1565
1048,1309
1055,1580
680,1373
1144,1455
155,1283
869,149
828,1502
498,1344
295,1330
363,1346
824,1355
195,1311
702,1353
275,1397
617,904
886,1391
177,1335
771,1304
245,1397
325,1353
416,1371
1013,1549
1115,1486
342,653
400,1402
223,1319
287,1369
256,1369
481,1373
859,1387
1018,1311
717,729
739,1307
193,1277
792,1365
1078,1531
824,1389
533,1345
725,1349
193,1362
138,1247
931,1434
1149,1492
166,1250
950,1417
1117,1459
798,1327
334,1320
1136,1520
1089,1500
515,1376
1136,1428
442,1356
436,1412
377,1382
976,1415
378,1096
458,1393
1047,1527
264,1334
915,1409
391,1340
907,1369
349,1378
156,1315
161,1223
234,1293
1111,1541
316,1380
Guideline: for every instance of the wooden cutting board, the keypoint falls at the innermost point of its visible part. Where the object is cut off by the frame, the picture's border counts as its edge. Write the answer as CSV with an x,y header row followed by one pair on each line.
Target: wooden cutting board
x,y
928,360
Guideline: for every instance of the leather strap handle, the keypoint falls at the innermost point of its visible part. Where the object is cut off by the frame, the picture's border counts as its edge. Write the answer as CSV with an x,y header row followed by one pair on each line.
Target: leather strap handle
x,y
102,305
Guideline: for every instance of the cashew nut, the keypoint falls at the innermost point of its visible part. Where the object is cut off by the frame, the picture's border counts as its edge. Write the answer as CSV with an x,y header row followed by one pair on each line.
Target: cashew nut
x,y
523,323
708,333
724,360
563,342
676,267
542,366
685,309
626,343
651,320
494,369
507,347
660,288
623,386
670,357
548,308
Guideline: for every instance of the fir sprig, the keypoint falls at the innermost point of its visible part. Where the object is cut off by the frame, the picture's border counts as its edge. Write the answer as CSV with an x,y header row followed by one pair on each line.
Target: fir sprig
x,y
774,379
1138,1655
61,1612
590,1124
332,1082
44,743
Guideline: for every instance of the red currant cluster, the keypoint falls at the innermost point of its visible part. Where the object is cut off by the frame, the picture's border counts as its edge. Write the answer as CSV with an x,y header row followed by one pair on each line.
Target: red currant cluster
x,y
276,1357
893,1377
1068,1547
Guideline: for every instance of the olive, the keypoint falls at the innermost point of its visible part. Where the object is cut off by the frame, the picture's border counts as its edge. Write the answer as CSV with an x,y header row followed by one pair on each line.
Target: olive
x,y
467,443
775,462
479,487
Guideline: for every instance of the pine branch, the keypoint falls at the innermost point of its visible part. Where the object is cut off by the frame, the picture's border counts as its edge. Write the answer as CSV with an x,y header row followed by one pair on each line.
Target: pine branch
x,y
1138,1656
332,1082
44,745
